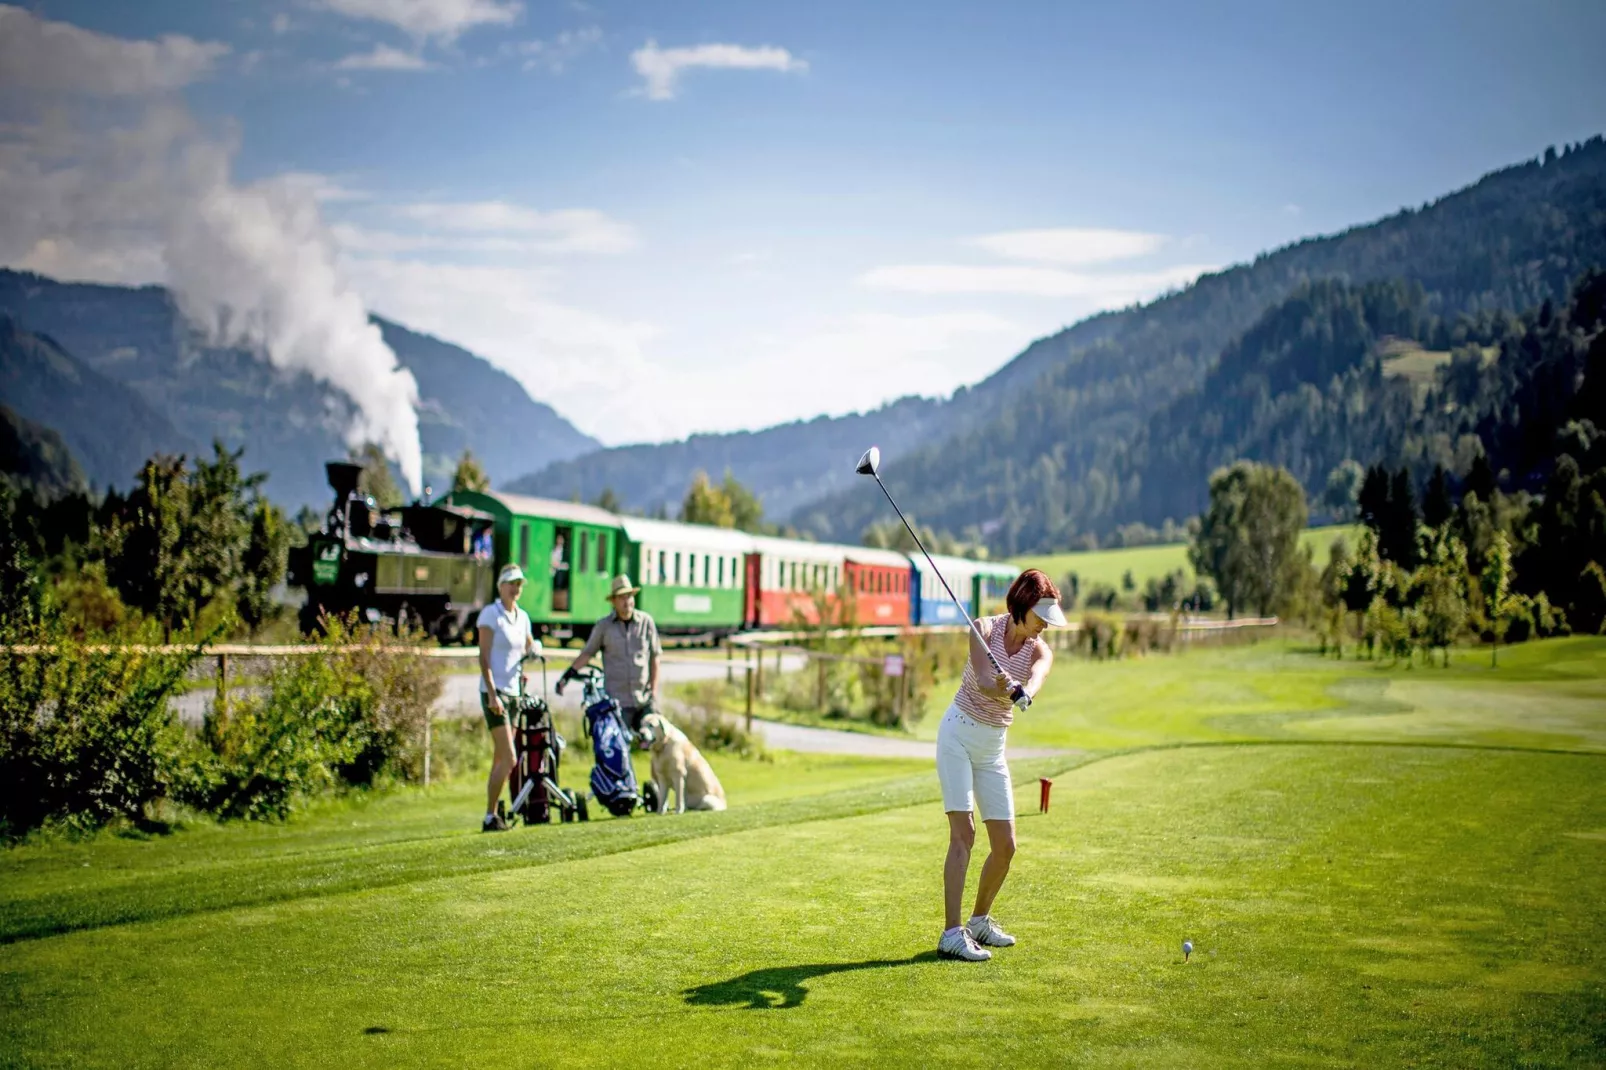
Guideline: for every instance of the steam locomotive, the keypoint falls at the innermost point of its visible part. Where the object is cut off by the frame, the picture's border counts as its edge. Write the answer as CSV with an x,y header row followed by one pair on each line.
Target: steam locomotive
x,y
427,566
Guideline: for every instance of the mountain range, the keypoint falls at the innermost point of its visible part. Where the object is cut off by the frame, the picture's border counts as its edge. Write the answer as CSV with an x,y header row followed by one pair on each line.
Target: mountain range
x,y
120,375
1116,420
1070,438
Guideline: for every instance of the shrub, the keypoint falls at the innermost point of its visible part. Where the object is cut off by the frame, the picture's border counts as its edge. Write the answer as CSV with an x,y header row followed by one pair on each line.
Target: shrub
x,y
86,736
349,715
711,729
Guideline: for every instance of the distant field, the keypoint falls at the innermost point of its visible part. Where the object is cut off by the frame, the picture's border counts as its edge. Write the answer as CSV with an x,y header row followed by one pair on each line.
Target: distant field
x,y
1108,566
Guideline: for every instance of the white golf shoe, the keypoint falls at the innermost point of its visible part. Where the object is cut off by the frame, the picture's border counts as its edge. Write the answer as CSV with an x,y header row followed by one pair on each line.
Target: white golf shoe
x,y
985,931
961,945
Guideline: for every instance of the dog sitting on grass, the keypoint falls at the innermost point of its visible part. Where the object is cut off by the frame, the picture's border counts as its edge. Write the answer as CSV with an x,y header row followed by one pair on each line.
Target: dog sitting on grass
x,y
680,767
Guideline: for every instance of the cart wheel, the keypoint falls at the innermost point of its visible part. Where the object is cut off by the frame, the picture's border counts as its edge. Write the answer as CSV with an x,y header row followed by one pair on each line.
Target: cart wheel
x,y
581,808
566,813
649,798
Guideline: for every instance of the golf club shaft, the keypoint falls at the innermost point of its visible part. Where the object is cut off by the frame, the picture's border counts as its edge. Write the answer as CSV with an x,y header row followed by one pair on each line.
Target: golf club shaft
x,y
999,669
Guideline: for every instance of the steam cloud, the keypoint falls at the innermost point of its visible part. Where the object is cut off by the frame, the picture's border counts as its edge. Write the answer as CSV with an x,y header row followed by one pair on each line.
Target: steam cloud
x,y
126,187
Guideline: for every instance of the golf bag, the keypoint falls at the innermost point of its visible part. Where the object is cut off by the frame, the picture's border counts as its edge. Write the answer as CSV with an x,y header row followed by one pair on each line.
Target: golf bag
x,y
538,751
613,779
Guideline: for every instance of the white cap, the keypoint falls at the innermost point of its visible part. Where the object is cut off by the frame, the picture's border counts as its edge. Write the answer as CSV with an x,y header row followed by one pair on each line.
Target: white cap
x,y
1049,610
510,574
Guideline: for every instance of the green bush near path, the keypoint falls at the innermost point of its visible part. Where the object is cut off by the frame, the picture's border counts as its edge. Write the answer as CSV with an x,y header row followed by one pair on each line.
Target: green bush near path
x,y
1376,867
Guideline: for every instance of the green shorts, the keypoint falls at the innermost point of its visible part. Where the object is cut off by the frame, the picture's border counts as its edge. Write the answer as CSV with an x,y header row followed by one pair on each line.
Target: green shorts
x,y
494,720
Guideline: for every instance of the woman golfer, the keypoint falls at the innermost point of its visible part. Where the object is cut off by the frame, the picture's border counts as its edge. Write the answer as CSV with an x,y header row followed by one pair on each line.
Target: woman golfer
x,y
970,757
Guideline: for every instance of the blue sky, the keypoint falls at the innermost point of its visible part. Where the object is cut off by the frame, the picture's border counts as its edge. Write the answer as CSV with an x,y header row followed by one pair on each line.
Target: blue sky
x,y
673,218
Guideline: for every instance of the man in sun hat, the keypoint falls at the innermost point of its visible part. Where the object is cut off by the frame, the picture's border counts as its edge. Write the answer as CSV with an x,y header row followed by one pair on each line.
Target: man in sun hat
x,y
628,640
505,637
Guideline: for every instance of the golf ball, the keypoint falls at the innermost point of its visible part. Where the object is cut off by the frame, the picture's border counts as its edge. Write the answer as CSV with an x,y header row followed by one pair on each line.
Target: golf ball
x,y
1187,948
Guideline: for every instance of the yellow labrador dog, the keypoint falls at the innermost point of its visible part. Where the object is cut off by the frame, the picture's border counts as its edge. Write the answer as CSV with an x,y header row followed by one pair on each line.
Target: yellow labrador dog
x,y
680,767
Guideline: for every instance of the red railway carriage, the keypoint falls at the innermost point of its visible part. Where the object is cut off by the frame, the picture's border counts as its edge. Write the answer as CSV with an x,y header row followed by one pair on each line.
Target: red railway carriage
x,y
784,578
879,580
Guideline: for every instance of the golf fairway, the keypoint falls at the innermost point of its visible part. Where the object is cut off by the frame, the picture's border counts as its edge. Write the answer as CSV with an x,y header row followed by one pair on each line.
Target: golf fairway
x,y
1395,902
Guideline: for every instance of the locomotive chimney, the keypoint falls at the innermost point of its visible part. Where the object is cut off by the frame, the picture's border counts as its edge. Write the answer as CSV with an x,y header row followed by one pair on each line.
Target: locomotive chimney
x,y
343,477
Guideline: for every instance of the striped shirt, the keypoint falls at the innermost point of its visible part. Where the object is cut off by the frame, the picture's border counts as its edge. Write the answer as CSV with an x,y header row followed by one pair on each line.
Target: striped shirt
x,y
998,710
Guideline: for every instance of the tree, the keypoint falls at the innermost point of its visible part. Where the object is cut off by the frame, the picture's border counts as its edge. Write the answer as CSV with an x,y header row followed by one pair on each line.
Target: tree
x,y
746,510
1249,536
609,500
1362,581
1441,593
1397,539
144,542
1437,504
376,479
706,504
262,564
1372,499
1343,487
469,474
1496,583
216,526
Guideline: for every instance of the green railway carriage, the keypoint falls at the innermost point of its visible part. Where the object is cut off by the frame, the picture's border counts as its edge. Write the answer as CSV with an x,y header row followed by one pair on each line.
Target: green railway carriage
x,y
692,577
991,584
569,553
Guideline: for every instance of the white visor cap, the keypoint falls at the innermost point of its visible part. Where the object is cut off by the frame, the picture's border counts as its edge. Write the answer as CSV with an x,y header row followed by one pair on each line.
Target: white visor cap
x,y
1049,610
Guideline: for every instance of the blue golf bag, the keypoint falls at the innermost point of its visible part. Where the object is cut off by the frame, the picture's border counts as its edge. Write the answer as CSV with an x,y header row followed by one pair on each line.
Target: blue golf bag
x,y
613,778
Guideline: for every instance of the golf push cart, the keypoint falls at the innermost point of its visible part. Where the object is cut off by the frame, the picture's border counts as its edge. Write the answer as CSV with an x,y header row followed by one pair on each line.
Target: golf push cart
x,y
537,749
613,778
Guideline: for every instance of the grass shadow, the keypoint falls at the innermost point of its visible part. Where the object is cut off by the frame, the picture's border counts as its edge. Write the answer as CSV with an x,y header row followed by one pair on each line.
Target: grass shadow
x,y
779,987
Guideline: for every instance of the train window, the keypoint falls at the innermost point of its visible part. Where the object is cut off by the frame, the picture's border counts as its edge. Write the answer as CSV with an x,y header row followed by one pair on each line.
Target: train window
x,y
722,572
602,551
677,568
585,548
708,561
663,567
524,546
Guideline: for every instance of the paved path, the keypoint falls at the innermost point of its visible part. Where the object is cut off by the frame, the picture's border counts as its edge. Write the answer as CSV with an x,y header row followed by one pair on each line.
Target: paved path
x,y
460,698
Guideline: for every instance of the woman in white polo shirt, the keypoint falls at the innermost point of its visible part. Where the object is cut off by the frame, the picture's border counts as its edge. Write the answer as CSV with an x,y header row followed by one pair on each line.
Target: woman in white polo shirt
x,y
970,757
505,637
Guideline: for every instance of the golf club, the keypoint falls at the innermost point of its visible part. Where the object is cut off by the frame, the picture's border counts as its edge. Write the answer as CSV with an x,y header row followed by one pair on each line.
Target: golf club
x,y
870,465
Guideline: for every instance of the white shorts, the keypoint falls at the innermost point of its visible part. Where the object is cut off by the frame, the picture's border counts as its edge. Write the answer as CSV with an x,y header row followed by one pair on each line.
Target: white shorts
x,y
970,759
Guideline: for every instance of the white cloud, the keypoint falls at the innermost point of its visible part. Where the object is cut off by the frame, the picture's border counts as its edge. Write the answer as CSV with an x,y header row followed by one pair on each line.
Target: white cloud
x,y
660,67
554,54
566,230
325,189
442,19
383,58
58,57
1291,209
281,23
1106,289
1070,245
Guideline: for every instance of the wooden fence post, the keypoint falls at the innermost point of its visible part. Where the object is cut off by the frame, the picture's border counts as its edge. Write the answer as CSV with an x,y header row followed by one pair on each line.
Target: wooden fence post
x,y
749,697
759,680
223,685
729,653
819,684
428,721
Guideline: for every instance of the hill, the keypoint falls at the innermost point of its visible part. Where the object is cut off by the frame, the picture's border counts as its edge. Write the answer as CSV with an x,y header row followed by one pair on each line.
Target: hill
x,y
288,423
788,465
106,425
36,457
1056,450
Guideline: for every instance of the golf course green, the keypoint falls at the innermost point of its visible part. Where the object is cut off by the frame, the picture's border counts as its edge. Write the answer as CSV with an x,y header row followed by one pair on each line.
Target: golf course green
x,y
1376,867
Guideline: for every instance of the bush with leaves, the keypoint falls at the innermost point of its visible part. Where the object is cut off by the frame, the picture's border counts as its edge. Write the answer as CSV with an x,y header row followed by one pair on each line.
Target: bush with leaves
x,y
351,714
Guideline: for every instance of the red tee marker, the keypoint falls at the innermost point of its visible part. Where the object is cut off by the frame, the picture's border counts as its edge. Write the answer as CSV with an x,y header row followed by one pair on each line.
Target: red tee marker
x,y
1044,784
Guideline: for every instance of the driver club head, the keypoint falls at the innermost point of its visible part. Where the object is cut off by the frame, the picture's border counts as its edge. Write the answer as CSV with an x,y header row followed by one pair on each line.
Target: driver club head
x,y
870,463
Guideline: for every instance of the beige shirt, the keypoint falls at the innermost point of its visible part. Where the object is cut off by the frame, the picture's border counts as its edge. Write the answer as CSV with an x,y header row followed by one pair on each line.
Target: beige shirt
x,y
628,648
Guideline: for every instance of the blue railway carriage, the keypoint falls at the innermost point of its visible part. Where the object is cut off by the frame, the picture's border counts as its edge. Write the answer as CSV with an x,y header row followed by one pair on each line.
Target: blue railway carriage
x,y
692,577
981,584
992,580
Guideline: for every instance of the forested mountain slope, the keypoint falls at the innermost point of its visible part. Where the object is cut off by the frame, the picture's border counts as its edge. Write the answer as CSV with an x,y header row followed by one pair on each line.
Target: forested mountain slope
x,y
37,458
288,423
108,427
1059,452
785,465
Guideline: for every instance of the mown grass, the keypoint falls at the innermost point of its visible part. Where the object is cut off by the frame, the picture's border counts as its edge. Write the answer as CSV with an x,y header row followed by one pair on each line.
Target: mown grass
x,y
1108,567
1376,867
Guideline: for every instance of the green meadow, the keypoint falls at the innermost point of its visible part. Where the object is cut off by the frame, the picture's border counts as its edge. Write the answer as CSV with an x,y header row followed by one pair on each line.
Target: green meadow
x,y
1376,867
1108,567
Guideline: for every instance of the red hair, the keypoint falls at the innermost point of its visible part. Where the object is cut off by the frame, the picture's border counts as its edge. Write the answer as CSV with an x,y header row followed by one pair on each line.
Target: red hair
x,y
1029,588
